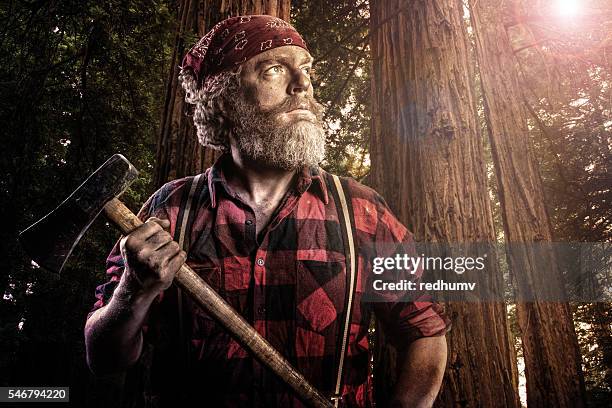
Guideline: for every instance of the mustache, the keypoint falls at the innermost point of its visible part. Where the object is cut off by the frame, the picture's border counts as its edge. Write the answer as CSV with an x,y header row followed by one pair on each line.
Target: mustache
x,y
291,103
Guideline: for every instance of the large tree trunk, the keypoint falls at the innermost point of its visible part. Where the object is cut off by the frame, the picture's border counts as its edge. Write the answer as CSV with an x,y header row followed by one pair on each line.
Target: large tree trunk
x,y
178,152
550,346
427,161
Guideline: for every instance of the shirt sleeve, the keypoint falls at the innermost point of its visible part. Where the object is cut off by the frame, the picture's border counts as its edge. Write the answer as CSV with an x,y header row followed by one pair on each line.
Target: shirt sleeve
x,y
406,315
158,205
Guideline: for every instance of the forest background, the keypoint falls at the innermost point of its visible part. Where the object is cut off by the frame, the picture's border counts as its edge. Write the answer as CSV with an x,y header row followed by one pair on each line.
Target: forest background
x,y
506,104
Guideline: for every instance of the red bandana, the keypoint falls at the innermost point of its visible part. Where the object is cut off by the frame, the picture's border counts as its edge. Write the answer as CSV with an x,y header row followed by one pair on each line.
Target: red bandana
x,y
237,39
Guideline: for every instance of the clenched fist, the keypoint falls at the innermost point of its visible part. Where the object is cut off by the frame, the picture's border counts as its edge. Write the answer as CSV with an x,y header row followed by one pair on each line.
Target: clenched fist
x,y
151,257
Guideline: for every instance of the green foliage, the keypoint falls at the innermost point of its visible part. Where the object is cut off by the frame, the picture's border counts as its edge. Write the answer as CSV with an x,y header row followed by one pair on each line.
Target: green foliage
x,y
79,81
593,327
337,34
568,87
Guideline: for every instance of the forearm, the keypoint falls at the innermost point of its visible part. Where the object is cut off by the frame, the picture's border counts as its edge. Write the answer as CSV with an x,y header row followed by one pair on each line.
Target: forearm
x,y
421,369
113,334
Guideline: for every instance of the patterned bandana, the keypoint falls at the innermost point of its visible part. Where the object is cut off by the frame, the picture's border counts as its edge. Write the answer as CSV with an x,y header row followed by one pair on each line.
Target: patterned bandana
x,y
235,40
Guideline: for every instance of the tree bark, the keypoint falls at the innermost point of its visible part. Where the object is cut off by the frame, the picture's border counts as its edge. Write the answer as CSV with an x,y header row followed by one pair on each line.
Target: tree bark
x,y
428,162
550,346
178,152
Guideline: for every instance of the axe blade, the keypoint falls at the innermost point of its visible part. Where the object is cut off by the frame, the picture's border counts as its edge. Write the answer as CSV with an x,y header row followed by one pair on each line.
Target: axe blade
x,y
50,241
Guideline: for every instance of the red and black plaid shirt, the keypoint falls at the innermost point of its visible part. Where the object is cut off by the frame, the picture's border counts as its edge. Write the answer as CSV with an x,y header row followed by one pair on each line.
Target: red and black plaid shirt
x,y
289,283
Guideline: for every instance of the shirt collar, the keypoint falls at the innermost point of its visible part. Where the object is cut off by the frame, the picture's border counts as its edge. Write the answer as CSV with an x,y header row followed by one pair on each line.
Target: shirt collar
x,y
306,178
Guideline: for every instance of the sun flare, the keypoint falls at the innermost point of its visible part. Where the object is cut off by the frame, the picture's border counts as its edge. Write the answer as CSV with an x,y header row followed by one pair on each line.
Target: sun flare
x,y
567,8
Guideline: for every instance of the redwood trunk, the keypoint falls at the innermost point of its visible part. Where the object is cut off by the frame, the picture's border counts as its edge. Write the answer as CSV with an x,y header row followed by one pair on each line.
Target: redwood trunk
x,y
427,161
550,346
178,152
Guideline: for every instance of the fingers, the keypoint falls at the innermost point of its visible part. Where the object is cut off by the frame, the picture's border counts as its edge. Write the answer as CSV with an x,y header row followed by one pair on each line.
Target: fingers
x,y
175,263
158,240
168,250
152,227
165,224
158,260
166,266
151,256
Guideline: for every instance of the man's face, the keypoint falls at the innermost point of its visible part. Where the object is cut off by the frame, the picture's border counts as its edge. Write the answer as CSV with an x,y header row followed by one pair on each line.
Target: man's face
x,y
276,120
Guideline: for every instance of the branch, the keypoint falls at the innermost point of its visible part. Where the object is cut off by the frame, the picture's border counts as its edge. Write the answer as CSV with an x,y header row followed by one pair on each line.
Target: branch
x,y
51,67
544,129
348,9
334,48
345,83
533,44
393,15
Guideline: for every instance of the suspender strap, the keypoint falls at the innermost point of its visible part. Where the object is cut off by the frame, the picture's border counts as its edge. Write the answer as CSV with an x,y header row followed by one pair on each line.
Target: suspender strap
x,y
190,203
187,210
344,209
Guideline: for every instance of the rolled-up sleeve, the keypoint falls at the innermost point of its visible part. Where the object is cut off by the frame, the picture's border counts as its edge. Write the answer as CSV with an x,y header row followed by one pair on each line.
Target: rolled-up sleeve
x,y
406,315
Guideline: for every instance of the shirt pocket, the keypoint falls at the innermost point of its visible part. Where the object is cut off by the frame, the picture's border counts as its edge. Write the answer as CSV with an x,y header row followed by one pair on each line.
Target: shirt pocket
x,y
210,273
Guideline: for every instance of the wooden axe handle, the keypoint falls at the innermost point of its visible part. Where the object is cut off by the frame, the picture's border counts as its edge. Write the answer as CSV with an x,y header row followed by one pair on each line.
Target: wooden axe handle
x,y
211,302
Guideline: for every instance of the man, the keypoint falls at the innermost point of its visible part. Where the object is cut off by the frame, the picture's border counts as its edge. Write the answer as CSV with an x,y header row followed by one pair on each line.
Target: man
x,y
266,234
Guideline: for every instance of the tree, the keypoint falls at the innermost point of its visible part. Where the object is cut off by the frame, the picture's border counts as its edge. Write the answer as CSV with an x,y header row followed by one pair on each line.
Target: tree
x,y
178,152
427,161
79,81
550,347
565,72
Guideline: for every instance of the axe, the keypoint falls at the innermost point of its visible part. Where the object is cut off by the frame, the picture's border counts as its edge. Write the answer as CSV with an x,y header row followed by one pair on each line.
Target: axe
x,y
51,240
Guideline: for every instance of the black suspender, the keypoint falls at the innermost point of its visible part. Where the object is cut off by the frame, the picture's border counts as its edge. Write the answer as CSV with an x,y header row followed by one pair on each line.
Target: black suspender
x,y
195,195
346,219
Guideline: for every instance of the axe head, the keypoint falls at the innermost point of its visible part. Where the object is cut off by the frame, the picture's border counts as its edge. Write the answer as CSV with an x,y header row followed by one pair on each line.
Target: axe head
x,y
50,241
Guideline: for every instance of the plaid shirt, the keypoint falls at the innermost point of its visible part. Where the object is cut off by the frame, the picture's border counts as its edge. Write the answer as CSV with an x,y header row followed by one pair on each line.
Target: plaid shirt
x,y
288,282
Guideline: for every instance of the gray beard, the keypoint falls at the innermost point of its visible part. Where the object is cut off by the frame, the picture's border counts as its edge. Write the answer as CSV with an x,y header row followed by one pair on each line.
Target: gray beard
x,y
261,139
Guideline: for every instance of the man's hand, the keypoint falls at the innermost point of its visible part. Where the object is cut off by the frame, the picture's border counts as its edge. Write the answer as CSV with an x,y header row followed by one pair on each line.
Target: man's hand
x,y
151,257
113,333
421,371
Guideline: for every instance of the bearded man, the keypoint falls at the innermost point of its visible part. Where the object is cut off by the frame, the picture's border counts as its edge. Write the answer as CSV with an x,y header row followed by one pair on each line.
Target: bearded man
x,y
262,227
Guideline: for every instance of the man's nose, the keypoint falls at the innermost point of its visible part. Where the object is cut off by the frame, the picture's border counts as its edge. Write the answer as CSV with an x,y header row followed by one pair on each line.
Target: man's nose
x,y
300,82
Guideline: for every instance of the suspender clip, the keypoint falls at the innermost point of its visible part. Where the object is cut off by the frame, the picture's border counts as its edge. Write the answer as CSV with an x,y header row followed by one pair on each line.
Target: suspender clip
x,y
335,399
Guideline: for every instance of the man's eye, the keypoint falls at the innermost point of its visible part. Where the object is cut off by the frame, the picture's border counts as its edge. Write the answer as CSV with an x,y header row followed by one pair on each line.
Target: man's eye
x,y
277,69
307,70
